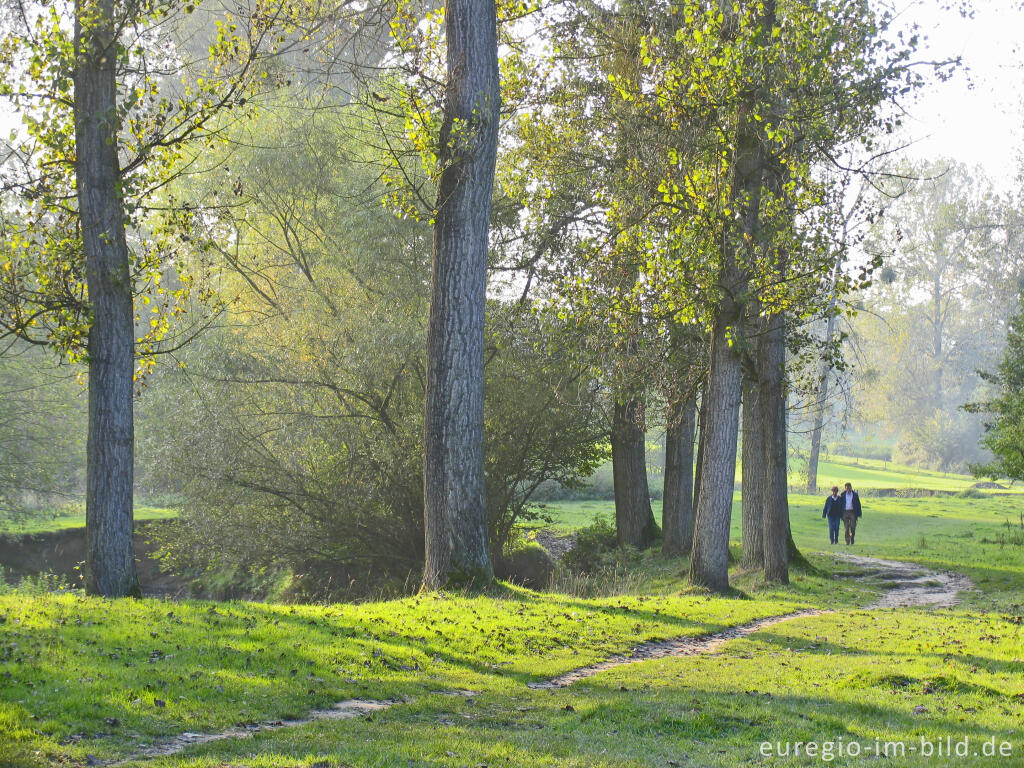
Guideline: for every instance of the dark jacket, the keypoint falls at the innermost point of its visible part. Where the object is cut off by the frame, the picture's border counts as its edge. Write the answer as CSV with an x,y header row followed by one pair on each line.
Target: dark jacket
x,y
856,503
833,507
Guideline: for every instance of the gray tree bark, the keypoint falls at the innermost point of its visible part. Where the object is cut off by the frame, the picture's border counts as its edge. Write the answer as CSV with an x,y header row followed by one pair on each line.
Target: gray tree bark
x,y
634,519
709,565
814,458
455,519
702,420
110,556
753,477
773,434
677,499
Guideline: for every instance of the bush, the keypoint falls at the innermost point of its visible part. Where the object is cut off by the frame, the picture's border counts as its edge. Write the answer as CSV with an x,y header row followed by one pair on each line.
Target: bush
x,y
295,431
335,496
528,564
593,543
970,493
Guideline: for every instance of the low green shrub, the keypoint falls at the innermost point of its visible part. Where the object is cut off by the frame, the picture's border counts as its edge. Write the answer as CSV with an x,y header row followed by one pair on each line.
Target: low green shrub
x,y
528,564
593,544
970,493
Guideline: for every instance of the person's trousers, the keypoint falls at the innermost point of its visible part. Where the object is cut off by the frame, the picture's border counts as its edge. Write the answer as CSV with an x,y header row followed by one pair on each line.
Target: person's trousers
x,y
850,525
833,529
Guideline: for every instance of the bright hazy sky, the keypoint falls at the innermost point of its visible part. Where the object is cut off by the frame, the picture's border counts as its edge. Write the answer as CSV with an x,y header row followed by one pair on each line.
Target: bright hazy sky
x,y
977,116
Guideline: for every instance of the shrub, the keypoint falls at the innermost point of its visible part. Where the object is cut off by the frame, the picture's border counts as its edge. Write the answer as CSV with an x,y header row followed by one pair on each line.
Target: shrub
x,y
970,493
528,564
593,543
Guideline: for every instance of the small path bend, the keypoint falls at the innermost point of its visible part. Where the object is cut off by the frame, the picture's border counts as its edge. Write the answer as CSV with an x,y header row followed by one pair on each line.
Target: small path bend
x,y
909,585
688,645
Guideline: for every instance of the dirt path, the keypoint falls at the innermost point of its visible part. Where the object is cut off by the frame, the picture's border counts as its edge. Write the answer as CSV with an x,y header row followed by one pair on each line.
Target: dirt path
x,y
908,585
343,710
679,646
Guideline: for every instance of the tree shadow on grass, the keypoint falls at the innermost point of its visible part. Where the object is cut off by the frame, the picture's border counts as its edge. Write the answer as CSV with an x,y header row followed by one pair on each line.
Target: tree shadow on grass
x,y
600,725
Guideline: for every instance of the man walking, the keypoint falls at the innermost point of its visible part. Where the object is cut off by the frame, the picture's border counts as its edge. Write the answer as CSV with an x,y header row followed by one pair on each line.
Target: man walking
x,y
834,512
851,511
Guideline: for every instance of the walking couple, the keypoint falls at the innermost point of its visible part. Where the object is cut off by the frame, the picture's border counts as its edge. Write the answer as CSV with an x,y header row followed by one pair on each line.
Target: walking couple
x,y
843,507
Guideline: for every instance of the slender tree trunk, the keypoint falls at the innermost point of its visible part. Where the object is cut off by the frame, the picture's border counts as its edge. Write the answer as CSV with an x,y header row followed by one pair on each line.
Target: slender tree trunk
x,y
709,563
110,555
937,332
634,519
816,429
702,420
677,501
753,469
773,434
826,373
454,504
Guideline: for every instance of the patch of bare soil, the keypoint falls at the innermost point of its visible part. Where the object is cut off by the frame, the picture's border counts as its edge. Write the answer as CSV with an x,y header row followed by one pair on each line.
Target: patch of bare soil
x,y
557,544
910,585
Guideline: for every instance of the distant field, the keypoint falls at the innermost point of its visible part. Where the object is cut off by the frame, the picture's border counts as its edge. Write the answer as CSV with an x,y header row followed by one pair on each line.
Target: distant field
x,y
873,473
71,516
865,474
834,470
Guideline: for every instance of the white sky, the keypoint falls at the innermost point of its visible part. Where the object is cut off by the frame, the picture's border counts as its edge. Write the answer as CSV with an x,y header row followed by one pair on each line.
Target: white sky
x,y
977,116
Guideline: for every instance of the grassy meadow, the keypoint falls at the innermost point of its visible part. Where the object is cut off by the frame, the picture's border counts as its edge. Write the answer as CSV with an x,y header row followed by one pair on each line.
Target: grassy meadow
x,y
85,681
68,516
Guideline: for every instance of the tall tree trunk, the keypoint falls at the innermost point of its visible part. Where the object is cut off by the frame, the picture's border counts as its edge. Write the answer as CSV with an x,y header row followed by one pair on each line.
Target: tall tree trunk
x,y
634,519
817,428
709,565
677,499
698,470
455,519
753,469
709,562
773,434
110,556
937,331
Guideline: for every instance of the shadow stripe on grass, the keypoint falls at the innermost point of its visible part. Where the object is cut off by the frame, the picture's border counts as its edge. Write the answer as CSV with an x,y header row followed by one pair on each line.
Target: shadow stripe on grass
x,y
909,585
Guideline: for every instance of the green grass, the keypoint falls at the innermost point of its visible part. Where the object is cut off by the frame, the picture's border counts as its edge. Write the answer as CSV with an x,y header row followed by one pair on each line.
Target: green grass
x,y
73,662
69,516
874,473
824,679
567,516
68,663
832,470
971,535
